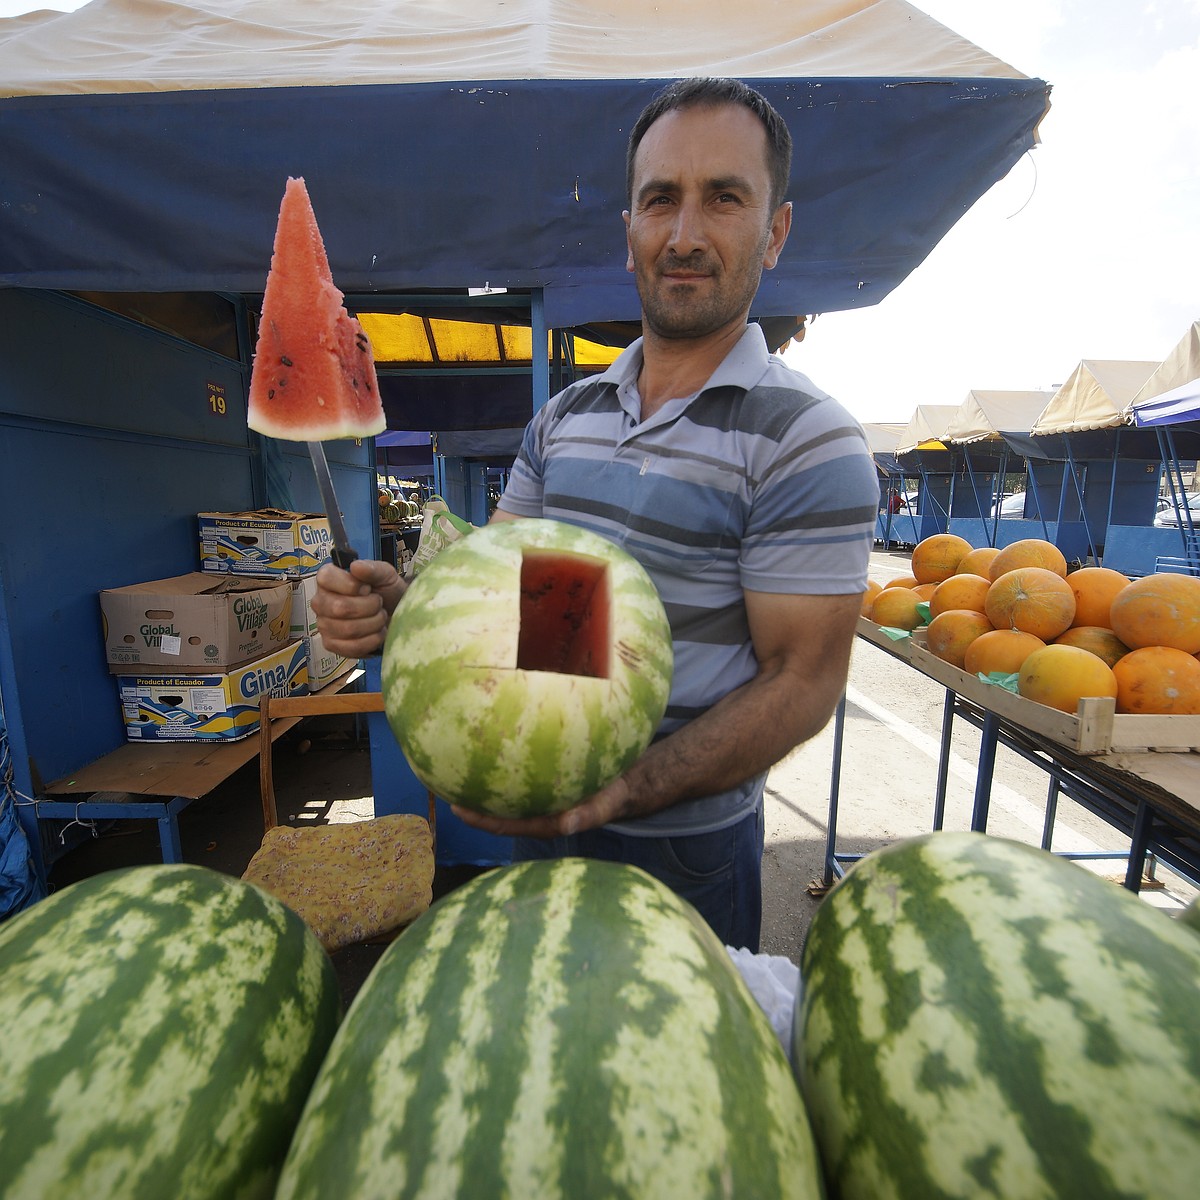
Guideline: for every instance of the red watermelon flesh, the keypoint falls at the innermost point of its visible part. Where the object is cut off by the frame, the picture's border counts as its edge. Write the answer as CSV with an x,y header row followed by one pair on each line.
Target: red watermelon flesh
x,y
314,374
565,614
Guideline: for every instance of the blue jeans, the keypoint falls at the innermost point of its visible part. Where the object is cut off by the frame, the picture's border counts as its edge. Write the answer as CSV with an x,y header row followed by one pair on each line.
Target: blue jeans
x,y
720,873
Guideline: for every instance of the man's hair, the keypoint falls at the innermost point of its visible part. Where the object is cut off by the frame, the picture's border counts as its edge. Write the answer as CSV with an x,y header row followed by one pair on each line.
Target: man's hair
x,y
688,93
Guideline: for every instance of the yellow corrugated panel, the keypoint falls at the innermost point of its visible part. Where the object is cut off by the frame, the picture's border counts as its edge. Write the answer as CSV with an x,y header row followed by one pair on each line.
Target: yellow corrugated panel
x,y
397,337
402,338
465,342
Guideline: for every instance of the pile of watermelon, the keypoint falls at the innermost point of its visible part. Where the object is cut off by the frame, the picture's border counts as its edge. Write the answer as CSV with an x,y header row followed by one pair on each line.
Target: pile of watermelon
x,y
978,1018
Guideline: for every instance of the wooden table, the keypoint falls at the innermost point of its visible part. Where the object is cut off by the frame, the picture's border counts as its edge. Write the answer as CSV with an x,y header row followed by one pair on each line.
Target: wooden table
x,y
158,780
1153,797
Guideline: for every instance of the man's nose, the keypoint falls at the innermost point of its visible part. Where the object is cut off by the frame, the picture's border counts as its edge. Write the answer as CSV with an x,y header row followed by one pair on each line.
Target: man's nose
x,y
687,231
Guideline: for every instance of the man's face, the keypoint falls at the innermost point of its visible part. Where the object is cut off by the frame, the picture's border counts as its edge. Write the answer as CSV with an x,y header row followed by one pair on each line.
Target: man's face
x,y
701,229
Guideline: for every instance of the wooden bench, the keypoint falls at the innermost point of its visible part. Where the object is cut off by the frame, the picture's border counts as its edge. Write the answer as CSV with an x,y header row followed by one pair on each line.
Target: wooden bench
x,y
157,780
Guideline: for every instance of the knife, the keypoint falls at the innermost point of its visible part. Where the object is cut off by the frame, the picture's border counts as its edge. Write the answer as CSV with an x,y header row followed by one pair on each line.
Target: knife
x,y
342,553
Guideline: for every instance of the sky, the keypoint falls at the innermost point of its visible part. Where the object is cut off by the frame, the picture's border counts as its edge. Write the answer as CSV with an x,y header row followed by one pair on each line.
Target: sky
x,y
1088,249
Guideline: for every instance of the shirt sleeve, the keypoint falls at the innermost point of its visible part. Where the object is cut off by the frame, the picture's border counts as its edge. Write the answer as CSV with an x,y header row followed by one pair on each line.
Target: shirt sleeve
x,y
524,490
813,509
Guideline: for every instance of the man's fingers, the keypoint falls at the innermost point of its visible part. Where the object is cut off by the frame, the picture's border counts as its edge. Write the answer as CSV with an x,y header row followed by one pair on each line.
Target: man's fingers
x,y
539,827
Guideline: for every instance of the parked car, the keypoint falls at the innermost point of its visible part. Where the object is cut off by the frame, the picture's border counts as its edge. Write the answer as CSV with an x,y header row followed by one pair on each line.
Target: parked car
x,y
1010,506
1168,517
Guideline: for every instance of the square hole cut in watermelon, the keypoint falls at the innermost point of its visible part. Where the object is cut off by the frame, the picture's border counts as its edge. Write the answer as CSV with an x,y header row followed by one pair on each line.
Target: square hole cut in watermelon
x,y
566,603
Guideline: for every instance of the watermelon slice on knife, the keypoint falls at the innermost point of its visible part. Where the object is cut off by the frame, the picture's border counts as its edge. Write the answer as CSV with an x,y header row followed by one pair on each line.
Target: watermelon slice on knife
x,y
314,374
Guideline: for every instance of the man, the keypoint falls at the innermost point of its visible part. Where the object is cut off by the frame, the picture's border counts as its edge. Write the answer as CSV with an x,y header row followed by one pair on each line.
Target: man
x,y
748,494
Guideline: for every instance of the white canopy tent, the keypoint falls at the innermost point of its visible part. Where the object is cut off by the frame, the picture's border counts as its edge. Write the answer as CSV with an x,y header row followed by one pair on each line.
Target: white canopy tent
x,y
1179,369
883,436
124,46
1096,396
985,415
926,428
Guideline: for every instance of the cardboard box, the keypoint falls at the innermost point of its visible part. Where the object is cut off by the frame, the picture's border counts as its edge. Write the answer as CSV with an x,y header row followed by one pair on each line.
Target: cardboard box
x,y
221,707
269,543
304,621
195,621
323,665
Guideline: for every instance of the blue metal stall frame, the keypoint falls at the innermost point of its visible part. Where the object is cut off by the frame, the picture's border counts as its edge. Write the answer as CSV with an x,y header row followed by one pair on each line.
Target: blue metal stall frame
x,y
1176,411
1154,831
934,469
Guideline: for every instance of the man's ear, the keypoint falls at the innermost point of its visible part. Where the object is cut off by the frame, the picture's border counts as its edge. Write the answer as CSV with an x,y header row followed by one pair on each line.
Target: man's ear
x,y
781,224
628,244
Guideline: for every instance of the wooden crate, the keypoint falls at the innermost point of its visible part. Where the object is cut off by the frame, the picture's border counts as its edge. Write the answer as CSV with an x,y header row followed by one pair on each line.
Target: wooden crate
x,y
870,632
1095,728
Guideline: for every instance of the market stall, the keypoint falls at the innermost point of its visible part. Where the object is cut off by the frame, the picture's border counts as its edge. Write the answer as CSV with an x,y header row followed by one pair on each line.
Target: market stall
x,y
922,451
146,145
978,434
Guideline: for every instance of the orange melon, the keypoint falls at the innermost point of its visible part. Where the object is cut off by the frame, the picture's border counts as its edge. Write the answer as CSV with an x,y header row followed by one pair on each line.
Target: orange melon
x,y
902,581
1159,610
925,590
937,557
1029,552
1033,599
1095,589
868,597
978,562
896,608
1000,652
1061,676
951,633
1158,679
1102,642
959,591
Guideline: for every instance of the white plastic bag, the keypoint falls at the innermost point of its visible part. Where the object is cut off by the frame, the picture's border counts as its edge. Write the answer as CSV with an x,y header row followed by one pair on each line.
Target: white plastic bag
x,y
439,527
774,981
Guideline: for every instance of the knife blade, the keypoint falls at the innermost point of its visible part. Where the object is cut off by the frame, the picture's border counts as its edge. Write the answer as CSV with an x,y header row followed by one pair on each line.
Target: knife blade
x,y
342,553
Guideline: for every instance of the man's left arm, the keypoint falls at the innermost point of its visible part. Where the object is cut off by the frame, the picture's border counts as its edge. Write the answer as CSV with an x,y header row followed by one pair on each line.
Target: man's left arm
x,y
802,644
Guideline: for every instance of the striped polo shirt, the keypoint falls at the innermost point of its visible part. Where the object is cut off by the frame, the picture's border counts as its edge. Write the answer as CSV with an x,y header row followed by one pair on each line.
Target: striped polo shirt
x,y
759,482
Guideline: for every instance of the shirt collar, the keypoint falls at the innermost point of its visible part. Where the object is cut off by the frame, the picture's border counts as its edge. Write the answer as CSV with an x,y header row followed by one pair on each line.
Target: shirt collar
x,y
744,365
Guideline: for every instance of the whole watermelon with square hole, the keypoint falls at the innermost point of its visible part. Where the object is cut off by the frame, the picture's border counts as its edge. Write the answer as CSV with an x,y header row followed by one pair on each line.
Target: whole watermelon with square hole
x,y
527,665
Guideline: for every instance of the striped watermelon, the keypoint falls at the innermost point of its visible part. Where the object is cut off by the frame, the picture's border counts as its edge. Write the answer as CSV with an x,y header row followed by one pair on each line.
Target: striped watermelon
x,y
528,664
159,1030
982,1018
1190,916
563,1028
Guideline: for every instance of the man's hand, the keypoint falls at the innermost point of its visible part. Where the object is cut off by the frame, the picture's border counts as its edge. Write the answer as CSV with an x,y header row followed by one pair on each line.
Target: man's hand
x,y
613,802
353,606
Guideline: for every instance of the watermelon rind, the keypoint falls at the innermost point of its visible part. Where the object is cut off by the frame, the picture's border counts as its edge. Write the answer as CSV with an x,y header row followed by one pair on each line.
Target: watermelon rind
x,y
983,1018
160,1027
560,1029
1189,916
480,732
